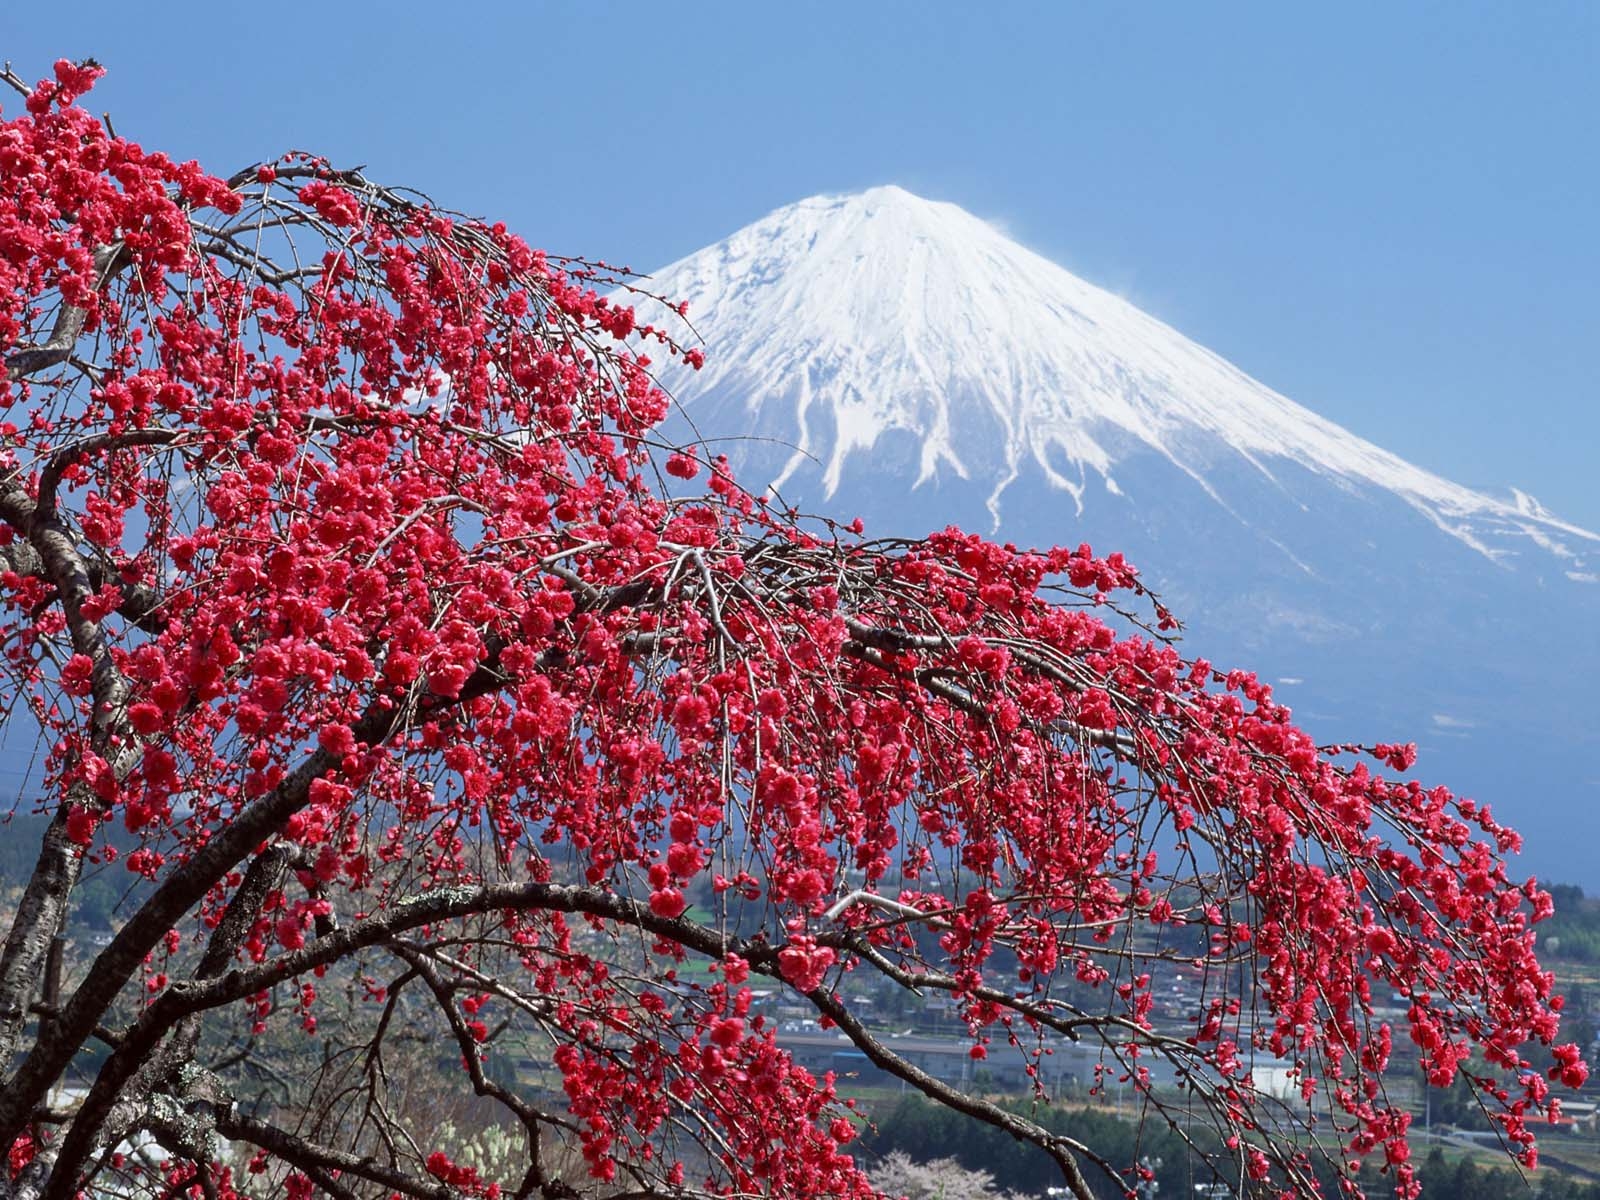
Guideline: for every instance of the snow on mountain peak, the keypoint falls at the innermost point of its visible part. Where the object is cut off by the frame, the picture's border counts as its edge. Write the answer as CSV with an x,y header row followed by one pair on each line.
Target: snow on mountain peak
x,y
838,320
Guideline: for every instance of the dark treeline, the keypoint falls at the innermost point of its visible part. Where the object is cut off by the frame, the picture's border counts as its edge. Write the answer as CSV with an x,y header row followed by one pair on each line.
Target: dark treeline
x,y
927,1131
1574,931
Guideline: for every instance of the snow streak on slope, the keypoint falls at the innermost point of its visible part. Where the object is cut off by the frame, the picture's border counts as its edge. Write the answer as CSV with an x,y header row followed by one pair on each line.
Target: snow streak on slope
x,y
840,319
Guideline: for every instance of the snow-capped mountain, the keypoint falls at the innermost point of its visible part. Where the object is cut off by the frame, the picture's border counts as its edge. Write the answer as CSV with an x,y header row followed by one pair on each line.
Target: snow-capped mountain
x,y
898,358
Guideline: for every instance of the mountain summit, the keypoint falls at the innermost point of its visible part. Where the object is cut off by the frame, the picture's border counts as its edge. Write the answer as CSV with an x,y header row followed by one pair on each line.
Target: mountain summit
x,y
898,358
840,321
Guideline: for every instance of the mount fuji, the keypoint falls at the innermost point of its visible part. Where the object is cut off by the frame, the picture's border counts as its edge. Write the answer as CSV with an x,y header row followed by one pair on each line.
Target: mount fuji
x,y
898,358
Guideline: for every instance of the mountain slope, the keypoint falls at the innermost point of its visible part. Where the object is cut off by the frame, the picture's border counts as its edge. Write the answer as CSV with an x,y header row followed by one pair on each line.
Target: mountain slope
x,y
895,357
842,319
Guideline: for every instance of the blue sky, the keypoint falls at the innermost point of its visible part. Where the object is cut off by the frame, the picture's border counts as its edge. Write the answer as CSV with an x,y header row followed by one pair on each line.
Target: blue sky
x,y
1386,212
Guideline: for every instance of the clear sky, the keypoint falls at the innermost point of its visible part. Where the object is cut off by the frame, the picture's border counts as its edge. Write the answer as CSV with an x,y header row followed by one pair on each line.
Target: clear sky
x,y
1387,212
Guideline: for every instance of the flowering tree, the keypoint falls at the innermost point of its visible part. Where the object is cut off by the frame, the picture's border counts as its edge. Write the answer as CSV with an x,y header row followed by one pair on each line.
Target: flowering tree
x,y
940,1179
381,646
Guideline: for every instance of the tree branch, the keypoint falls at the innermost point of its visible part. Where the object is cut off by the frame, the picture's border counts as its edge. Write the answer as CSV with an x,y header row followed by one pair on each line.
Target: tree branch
x,y
183,1000
57,348
311,1157
131,1075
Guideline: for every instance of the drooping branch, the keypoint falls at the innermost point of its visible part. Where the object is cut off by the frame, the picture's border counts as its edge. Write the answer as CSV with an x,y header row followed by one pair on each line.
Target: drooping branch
x,y
310,1157
531,1119
1059,1148
184,1001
